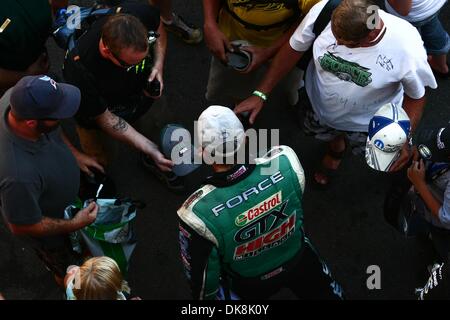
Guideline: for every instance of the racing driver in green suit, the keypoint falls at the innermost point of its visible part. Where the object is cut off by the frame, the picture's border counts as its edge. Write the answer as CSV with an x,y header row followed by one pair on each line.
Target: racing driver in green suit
x,y
241,234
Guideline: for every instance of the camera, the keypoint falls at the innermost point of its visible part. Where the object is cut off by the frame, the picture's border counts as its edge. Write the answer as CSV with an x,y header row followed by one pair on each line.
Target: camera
x,y
424,152
153,88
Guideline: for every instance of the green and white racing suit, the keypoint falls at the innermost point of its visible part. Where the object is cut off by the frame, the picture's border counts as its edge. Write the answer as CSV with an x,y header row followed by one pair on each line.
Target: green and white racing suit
x,y
245,226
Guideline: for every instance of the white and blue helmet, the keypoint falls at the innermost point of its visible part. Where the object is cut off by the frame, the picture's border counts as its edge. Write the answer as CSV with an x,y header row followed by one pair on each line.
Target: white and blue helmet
x,y
388,132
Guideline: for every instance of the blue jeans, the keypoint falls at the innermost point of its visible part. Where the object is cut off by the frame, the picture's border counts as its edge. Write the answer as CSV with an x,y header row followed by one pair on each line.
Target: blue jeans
x,y
436,39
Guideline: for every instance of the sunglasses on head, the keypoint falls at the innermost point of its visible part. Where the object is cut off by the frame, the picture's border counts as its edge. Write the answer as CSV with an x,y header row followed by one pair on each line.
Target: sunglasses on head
x,y
152,37
121,62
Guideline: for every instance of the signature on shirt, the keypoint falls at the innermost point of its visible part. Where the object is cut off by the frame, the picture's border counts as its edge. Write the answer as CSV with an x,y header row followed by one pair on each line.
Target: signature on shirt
x,y
385,62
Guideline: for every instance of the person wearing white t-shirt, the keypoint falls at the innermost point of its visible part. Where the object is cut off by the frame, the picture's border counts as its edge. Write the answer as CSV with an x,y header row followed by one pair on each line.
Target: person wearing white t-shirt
x,y
362,60
423,14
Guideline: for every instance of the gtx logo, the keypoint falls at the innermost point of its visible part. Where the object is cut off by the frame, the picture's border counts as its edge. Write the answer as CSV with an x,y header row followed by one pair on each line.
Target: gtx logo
x,y
261,225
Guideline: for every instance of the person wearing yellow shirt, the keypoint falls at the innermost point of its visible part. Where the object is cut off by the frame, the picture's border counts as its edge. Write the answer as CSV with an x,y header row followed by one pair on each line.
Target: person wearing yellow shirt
x,y
262,27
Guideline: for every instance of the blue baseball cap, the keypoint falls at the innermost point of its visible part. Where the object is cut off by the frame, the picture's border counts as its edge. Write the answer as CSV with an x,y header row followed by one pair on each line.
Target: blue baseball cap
x,y
41,97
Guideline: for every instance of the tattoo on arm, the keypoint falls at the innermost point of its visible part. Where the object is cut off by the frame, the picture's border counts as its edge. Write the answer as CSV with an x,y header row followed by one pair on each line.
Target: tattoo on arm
x,y
120,125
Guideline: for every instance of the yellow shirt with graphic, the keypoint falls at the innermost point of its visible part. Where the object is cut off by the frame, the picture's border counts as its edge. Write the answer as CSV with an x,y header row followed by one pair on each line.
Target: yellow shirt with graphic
x,y
261,14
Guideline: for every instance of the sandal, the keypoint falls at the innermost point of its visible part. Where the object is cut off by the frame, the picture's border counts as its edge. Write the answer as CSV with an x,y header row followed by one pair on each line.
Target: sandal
x,y
324,174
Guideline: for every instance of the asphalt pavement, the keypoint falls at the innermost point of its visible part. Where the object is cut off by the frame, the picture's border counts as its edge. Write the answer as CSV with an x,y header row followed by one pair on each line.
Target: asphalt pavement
x,y
345,221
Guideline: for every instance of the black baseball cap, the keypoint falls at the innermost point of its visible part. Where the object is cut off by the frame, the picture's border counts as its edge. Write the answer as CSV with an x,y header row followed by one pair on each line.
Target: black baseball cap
x,y
434,144
41,97
173,145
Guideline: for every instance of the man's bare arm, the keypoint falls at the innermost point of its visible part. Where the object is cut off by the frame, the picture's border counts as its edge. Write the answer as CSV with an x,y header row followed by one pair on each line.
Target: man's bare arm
x,y
46,227
416,174
161,48
160,54
414,108
50,227
261,55
403,7
282,63
285,60
432,203
211,10
119,129
215,40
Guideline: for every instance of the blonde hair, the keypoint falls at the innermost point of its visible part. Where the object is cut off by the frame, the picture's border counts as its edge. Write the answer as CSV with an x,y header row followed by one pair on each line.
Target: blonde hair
x,y
350,20
99,279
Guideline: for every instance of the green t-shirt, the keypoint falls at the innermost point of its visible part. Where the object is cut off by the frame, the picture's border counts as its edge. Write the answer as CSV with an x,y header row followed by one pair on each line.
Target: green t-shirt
x,y
23,38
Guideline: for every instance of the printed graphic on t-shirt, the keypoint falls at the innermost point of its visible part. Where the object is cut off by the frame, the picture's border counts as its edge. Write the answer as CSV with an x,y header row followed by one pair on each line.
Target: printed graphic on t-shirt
x,y
260,4
345,70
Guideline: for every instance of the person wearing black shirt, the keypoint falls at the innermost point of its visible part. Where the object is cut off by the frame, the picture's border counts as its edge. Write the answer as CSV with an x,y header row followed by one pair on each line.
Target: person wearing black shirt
x,y
115,64
39,176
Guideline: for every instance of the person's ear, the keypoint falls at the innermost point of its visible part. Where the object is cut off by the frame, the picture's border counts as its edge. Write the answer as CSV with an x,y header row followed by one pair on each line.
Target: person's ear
x,y
72,269
104,49
372,35
70,273
31,123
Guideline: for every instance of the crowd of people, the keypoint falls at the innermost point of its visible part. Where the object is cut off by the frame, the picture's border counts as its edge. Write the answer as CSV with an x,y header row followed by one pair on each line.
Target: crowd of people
x,y
241,233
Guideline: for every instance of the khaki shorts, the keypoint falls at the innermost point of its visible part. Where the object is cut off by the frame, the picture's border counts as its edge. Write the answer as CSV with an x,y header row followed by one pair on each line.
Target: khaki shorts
x,y
98,144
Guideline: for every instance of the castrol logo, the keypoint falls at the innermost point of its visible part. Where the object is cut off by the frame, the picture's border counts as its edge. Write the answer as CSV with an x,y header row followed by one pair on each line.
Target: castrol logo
x,y
259,210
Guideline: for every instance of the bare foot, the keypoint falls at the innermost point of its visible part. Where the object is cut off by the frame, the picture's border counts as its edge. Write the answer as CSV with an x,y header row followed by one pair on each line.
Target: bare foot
x,y
328,163
438,63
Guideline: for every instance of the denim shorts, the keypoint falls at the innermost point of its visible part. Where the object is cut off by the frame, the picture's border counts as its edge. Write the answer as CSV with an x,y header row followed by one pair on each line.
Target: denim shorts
x,y
436,39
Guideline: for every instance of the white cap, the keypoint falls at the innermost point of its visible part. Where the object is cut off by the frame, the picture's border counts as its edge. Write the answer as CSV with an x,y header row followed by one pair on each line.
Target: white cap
x,y
219,129
388,132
